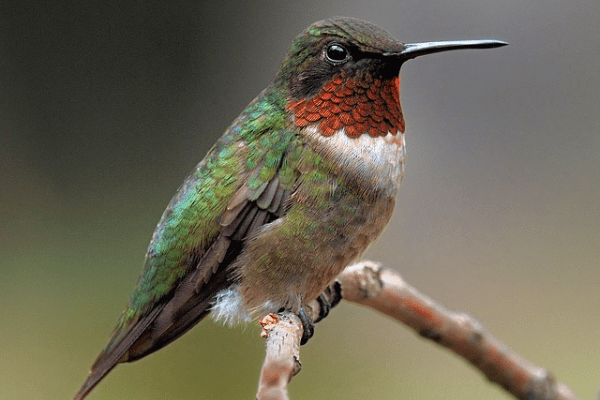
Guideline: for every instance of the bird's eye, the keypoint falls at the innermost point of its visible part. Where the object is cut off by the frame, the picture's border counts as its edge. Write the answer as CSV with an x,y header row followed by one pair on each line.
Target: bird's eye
x,y
336,53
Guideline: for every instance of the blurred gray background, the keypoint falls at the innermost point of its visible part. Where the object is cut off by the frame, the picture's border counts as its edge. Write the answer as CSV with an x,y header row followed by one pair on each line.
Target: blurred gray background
x,y
105,106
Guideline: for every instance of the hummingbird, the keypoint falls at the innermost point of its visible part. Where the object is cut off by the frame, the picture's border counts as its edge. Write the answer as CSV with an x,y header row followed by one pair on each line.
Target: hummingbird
x,y
297,187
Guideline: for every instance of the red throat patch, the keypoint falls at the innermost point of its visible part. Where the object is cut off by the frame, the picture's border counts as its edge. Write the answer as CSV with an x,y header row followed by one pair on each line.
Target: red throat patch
x,y
361,104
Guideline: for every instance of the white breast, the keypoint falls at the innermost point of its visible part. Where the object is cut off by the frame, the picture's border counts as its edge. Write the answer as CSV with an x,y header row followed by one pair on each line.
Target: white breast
x,y
376,162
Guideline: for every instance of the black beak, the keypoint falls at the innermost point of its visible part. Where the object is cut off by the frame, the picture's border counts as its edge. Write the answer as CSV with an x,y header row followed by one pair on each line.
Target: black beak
x,y
412,50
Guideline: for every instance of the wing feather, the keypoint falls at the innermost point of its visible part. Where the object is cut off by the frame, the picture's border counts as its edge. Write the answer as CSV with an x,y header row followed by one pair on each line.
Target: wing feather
x,y
199,236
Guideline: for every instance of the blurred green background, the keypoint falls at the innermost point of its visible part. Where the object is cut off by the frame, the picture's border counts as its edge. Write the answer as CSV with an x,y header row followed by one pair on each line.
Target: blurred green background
x,y
105,106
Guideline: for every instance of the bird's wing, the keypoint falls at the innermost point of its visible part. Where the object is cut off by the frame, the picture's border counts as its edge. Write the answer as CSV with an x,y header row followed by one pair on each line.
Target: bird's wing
x,y
246,212
243,183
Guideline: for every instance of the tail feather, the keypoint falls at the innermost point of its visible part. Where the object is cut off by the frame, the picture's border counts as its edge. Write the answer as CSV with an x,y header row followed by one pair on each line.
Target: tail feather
x,y
163,324
110,357
168,320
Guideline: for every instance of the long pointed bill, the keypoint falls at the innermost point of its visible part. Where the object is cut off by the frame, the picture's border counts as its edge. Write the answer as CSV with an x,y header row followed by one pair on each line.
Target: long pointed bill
x,y
413,50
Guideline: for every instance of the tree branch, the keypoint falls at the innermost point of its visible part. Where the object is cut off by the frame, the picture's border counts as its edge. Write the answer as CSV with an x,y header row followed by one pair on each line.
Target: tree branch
x,y
282,361
384,290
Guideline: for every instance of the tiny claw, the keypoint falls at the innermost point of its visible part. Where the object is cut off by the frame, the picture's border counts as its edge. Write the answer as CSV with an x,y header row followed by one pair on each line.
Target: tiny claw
x,y
334,293
307,325
325,307
329,299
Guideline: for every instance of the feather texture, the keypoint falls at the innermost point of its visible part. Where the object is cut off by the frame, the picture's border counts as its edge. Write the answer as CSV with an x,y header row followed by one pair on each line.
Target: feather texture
x,y
201,233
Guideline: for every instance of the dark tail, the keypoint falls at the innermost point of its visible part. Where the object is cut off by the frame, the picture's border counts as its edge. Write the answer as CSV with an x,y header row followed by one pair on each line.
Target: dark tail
x,y
113,355
95,376
158,328
167,320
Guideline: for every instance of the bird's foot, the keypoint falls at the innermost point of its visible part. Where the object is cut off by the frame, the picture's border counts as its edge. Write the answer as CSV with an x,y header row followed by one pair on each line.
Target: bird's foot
x,y
307,325
324,307
328,299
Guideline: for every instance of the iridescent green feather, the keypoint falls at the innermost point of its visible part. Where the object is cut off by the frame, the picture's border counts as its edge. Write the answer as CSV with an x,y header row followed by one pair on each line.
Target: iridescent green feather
x,y
250,153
